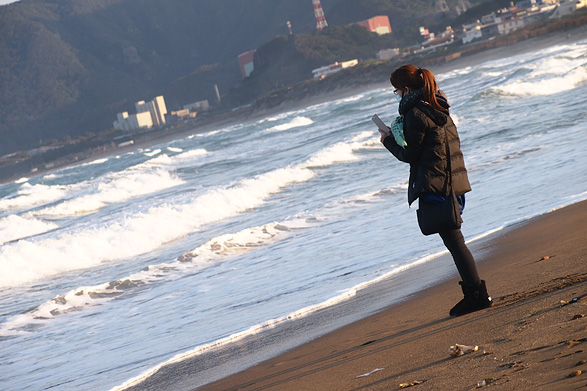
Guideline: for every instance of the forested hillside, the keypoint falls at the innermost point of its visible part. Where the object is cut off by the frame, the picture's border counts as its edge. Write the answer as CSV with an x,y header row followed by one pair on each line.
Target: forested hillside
x,y
68,66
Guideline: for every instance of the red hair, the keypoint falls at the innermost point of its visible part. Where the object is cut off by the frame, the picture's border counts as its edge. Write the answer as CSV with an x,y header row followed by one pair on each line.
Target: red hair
x,y
417,78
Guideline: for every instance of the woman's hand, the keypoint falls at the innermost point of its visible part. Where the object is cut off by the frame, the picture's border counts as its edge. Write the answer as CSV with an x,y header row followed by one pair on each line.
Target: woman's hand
x,y
383,134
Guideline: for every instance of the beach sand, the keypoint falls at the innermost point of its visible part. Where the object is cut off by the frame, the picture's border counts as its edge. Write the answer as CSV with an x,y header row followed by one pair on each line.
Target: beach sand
x,y
533,338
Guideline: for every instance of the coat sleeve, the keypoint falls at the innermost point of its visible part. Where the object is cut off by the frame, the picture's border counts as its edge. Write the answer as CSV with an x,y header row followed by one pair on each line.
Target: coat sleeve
x,y
414,131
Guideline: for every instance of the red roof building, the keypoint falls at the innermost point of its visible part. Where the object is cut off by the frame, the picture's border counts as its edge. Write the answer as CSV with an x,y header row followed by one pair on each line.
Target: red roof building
x,y
245,62
377,24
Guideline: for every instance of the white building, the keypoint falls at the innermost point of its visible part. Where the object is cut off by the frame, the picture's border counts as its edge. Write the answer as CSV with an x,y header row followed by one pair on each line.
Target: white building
x,y
510,25
332,68
387,54
566,8
148,114
201,105
131,122
156,108
471,32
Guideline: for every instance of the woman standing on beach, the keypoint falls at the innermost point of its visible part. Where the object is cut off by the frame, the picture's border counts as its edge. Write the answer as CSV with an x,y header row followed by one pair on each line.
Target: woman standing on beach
x,y
426,123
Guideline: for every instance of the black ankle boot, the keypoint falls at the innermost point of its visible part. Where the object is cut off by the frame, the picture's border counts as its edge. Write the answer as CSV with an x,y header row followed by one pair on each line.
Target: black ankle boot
x,y
476,298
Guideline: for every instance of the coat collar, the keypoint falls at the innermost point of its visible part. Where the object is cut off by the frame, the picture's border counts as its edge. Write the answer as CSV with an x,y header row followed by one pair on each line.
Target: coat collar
x,y
413,97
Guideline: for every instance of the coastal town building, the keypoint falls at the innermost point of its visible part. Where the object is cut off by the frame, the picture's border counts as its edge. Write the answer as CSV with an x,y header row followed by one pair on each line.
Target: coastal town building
x,y
324,71
128,122
522,14
246,63
471,32
148,114
567,7
183,113
377,24
201,105
432,42
387,54
156,108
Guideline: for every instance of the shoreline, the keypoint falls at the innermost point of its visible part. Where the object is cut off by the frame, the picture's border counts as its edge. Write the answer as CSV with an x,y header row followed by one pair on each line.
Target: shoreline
x,y
258,356
165,136
533,336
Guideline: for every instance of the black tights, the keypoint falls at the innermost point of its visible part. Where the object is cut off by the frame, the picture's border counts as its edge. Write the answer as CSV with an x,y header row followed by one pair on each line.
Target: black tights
x,y
455,243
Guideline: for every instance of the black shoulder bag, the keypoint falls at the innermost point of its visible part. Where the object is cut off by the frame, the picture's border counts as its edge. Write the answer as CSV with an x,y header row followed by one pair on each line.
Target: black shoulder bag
x,y
434,217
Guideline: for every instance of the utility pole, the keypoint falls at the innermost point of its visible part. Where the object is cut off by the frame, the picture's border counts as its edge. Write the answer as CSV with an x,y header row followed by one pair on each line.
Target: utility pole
x,y
217,92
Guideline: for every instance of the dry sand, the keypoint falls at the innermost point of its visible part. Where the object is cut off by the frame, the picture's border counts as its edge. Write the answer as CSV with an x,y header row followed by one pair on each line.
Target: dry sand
x,y
531,339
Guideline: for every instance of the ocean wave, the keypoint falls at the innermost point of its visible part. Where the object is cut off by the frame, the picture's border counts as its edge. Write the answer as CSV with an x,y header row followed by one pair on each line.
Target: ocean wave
x,y
374,196
339,152
146,231
20,262
191,154
349,99
553,73
294,123
16,227
150,153
34,195
113,190
213,251
94,162
142,179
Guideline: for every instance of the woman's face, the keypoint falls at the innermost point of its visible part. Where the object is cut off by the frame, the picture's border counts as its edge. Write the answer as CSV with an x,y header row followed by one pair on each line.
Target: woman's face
x,y
401,92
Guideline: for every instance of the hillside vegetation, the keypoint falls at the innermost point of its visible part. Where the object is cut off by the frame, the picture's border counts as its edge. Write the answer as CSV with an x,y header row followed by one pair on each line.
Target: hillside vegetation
x,y
68,66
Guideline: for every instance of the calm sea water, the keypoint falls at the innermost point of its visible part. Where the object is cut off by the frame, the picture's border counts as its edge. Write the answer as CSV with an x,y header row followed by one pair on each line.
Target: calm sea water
x,y
112,268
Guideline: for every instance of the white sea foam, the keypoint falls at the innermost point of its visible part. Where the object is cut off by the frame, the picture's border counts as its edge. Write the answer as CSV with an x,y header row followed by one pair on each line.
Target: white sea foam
x,y
215,250
244,241
151,153
33,195
160,160
141,179
552,74
210,133
339,152
143,232
174,149
94,162
294,123
374,196
15,227
544,86
353,98
111,190
20,262
191,154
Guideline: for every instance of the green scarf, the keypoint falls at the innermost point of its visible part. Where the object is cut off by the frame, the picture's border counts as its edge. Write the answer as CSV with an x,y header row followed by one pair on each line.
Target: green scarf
x,y
397,129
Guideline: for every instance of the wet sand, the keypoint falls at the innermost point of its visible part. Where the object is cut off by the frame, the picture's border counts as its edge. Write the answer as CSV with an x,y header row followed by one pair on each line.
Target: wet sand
x,y
533,338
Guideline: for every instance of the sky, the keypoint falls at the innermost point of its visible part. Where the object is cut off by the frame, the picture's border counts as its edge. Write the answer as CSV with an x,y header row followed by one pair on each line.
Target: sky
x,y
4,2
